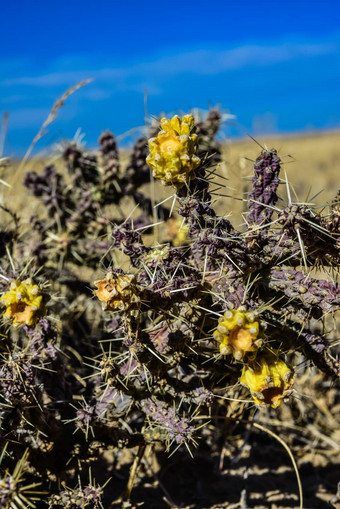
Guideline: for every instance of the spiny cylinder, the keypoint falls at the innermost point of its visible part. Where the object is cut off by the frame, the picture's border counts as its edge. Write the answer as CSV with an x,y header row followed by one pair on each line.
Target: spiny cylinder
x,y
265,183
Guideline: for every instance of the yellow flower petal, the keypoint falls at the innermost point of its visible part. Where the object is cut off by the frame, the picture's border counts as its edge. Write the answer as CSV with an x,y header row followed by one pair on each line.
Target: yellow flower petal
x,y
172,155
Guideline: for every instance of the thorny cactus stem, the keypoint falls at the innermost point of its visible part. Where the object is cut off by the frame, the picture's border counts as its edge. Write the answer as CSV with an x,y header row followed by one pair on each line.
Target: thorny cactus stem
x,y
172,155
316,296
110,155
265,182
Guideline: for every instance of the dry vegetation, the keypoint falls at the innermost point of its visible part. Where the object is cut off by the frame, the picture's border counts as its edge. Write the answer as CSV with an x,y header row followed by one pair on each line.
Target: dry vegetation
x,y
312,166
248,467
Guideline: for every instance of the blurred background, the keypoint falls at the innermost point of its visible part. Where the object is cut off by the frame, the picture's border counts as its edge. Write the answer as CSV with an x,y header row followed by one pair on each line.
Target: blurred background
x,y
274,65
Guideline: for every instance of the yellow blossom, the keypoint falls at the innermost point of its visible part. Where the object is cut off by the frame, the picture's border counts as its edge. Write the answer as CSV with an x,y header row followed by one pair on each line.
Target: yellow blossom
x,y
172,155
238,333
24,301
268,378
177,231
118,292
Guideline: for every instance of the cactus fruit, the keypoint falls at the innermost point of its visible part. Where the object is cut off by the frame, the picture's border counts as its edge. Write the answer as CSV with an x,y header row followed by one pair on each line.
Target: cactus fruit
x,y
268,378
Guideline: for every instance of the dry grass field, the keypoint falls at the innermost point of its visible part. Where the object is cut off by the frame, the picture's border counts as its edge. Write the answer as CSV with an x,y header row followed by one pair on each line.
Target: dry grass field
x,y
312,164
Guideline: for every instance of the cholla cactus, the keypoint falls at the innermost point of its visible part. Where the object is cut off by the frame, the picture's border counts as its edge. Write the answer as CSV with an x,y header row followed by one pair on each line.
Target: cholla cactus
x,y
118,291
82,497
160,366
15,492
238,332
25,302
265,183
268,378
172,153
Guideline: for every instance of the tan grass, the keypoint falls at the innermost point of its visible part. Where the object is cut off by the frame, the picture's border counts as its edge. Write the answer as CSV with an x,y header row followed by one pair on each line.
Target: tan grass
x,y
312,164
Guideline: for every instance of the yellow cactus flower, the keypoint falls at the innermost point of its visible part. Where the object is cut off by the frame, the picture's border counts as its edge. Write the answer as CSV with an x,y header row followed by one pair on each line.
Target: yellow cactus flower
x,y
268,378
177,231
238,333
172,155
25,302
118,292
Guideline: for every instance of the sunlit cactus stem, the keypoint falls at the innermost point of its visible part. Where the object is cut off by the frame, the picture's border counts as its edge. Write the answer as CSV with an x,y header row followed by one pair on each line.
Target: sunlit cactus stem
x,y
110,189
265,182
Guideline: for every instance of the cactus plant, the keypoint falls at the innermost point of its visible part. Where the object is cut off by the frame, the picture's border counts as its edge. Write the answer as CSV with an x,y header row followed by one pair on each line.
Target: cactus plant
x,y
138,351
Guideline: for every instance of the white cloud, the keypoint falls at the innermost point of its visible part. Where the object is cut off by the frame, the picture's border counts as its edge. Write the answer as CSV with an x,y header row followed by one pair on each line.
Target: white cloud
x,y
209,62
200,62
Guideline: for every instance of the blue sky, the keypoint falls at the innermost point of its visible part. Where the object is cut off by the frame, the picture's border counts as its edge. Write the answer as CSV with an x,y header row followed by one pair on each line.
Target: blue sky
x,y
273,64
